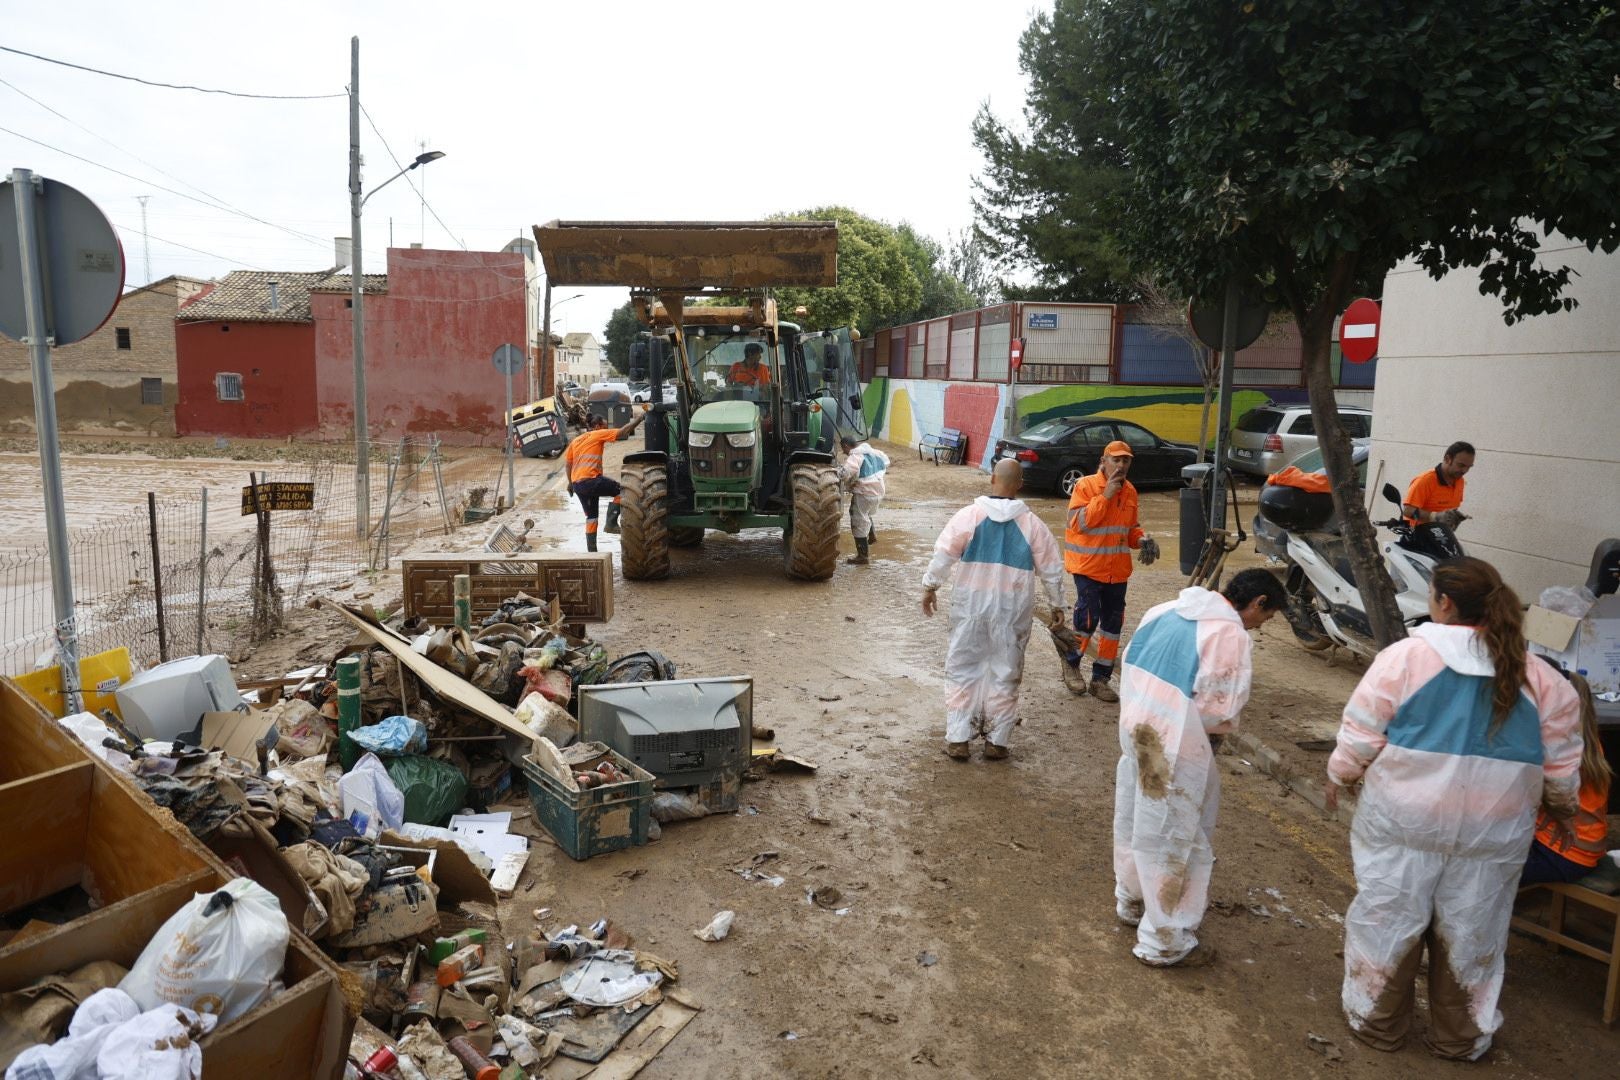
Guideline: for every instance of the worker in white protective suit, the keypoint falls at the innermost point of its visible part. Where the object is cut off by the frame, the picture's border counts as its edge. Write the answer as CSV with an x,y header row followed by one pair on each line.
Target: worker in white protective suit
x,y
1460,735
863,474
1003,549
1184,678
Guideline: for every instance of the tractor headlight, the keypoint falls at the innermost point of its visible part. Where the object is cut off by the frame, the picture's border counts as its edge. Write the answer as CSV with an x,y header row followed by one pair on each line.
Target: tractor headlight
x,y
701,440
741,439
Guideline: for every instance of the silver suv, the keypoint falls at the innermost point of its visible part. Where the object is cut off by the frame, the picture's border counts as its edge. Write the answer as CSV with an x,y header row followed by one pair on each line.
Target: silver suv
x,y
1266,439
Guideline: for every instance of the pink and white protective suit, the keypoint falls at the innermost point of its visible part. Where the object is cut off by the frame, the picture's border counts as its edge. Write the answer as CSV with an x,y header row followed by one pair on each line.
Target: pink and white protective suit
x,y
863,472
1442,828
1003,549
1184,677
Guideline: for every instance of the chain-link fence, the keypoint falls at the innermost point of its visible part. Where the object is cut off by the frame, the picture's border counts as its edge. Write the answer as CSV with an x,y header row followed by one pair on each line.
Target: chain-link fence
x,y
195,574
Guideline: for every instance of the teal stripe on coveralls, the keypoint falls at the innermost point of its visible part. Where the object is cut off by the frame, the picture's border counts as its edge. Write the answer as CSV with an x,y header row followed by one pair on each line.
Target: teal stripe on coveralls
x,y
1000,542
1167,648
1450,714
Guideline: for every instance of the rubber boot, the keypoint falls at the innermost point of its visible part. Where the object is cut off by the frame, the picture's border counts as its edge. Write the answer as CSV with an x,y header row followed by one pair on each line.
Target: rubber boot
x,y
590,541
871,535
860,556
612,523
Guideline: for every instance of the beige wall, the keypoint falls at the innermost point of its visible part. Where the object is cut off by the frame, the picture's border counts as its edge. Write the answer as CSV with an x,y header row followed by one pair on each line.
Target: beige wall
x,y
1539,399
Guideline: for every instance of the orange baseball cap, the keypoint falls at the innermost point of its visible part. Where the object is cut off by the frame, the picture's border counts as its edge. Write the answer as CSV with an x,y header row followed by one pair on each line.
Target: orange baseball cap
x,y
1116,448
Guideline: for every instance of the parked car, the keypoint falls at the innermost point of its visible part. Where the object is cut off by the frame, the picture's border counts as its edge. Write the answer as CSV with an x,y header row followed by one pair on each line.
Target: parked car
x,y
1271,539
1266,439
1055,454
641,392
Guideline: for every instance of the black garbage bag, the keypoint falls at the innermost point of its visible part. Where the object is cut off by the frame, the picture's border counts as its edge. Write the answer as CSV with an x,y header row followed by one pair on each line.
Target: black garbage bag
x,y
649,665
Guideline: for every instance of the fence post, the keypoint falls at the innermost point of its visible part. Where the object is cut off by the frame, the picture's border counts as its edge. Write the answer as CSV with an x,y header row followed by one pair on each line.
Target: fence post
x,y
157,576
463,600
348,684
202,574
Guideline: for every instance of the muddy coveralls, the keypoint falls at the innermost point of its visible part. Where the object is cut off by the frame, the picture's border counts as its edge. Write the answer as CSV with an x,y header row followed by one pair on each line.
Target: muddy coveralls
x,y
863,471
1442,828
1003,549
1184,677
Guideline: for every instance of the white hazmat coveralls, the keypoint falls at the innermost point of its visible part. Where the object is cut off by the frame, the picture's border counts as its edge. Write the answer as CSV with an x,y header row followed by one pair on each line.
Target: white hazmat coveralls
x,y
1003,549
863,471
1442,829
1184,677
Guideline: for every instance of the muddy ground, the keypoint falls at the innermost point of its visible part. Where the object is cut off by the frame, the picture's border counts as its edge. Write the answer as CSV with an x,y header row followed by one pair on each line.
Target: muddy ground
x,y
980,939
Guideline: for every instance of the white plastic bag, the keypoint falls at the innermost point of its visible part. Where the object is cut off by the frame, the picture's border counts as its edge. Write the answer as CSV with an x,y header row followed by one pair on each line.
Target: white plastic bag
x,y
93,731
368,791
221,953
160,1044
718,927
73,1057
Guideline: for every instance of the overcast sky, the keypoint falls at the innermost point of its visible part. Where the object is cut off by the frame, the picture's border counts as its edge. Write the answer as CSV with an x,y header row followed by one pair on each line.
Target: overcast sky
x,y
607,110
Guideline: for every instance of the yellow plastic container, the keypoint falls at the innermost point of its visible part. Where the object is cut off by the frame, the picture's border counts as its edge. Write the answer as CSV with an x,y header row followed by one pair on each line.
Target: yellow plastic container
x,y
99,676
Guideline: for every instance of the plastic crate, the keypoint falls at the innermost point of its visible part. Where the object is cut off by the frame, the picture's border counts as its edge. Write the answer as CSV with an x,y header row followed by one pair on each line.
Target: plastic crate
x,y
596,820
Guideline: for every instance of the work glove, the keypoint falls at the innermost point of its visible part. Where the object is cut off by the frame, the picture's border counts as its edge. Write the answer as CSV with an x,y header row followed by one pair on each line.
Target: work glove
x,y
1148,552
1057,618
1451,518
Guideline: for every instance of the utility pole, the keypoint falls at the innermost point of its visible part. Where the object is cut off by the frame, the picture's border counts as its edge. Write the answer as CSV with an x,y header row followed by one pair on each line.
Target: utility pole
x,y
146,241
362,442
421,211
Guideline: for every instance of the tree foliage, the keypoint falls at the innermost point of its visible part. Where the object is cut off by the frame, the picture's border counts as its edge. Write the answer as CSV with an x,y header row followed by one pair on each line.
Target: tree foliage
x,y
622,328
1311,146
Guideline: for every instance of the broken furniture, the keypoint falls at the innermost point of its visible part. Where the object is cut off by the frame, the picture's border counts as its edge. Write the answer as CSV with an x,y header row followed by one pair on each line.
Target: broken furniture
x,y
80,830
948,447
582,583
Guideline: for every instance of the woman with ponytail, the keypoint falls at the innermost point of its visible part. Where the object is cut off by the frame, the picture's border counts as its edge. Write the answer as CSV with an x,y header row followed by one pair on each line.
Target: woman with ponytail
x,y
1562,852
1460,735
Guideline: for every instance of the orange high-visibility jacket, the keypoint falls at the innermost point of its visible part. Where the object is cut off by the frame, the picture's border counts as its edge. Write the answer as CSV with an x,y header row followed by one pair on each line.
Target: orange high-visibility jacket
x,y
1101,532
584,454
1428,494
1589,837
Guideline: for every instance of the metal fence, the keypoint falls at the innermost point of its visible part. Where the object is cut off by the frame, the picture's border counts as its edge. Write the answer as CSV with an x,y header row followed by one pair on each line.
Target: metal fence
x,y
185,575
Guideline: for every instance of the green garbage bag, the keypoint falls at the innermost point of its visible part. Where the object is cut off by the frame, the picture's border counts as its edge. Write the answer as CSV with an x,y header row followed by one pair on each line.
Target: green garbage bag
x,y
433,789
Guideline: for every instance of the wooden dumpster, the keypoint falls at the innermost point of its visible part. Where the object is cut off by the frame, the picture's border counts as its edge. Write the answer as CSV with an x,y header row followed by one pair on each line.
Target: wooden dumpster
x,y
71,820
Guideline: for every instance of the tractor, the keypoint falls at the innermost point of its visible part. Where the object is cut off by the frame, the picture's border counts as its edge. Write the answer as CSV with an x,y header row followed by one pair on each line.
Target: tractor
x,y
744,408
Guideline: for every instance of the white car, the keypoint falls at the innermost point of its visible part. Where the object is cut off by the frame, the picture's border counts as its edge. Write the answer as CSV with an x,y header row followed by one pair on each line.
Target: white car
x,y
642,393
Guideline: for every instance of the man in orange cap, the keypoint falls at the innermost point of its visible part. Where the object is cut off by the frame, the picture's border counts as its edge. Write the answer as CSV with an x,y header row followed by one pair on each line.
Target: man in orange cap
x,y
1102,531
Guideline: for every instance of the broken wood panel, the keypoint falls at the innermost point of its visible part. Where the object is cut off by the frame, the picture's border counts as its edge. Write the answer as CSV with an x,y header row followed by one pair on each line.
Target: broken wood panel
x,y
45,818
30,741
132,845
581,583
281,1037
690,255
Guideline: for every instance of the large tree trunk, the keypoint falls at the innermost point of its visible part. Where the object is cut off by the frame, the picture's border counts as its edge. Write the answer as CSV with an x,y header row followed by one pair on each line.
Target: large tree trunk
x,y
1372,579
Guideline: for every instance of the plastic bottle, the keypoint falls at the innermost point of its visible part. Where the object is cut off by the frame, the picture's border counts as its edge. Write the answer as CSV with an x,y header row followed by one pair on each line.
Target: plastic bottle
x,y
458,963
477,1065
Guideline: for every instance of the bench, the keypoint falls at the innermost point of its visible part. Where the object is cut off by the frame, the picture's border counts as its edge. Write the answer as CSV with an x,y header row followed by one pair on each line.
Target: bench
x,y
950,446
1553,931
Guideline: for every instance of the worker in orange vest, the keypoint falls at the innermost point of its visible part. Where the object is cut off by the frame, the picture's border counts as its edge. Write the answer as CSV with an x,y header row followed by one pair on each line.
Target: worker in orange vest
x,y
1437,495
1102,532
583,459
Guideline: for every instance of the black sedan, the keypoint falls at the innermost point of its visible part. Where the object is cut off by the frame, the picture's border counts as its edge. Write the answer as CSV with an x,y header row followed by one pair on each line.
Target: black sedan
x,y
1057,453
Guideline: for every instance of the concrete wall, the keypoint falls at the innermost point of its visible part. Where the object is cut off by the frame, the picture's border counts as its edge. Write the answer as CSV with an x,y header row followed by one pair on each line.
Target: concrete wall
x,y
429,340
98,385
276,362
1538,399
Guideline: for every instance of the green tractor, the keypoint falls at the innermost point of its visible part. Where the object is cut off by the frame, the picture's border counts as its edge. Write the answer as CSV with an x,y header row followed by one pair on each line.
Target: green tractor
x,y
744,412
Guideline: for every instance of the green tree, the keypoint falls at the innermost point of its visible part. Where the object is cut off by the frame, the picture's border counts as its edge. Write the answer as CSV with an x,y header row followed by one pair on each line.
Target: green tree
x,y
942,292
622,329
1313,145
875,277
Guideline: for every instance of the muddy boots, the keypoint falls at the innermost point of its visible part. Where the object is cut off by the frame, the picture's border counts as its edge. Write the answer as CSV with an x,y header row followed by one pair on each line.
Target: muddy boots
x,y
1073,678
1102,691
860,558
957,751
590,539
612,523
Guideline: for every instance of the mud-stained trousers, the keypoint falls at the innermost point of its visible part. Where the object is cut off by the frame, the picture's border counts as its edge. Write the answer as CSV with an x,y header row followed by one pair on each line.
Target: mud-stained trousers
x,y
983,669
1163,843
863,514
1461,908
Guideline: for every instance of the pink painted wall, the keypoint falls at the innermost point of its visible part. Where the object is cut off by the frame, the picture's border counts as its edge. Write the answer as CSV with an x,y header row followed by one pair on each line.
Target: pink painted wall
x,y
971,409
429,339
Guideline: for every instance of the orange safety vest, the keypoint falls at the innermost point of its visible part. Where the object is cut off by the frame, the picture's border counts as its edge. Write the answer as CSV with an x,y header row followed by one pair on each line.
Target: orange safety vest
x,y
1591,829
742,376
1428,494
1101,532
584,454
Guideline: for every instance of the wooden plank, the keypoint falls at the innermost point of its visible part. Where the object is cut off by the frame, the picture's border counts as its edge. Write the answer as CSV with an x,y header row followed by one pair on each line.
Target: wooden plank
x,y
45,818
279,1038
30,741
132,845
645,1041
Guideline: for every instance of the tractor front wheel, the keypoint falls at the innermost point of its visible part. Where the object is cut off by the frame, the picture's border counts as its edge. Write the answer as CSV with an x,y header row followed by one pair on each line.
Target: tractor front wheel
x,y
644,522
812,542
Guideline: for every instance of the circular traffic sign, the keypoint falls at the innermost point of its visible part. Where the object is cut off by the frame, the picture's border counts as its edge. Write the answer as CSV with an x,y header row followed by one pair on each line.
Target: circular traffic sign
x,y
81,262
1206,320
508,359
1358,331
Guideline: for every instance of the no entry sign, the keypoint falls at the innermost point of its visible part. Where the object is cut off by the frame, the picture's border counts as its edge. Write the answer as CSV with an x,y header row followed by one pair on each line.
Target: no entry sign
x,y
1358,331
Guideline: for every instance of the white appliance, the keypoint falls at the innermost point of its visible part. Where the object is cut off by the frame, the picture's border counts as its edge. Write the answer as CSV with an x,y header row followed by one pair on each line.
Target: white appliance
x,y
169,700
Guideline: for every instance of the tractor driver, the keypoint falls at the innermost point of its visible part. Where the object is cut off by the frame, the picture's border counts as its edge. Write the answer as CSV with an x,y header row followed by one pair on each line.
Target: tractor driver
x,y
749,371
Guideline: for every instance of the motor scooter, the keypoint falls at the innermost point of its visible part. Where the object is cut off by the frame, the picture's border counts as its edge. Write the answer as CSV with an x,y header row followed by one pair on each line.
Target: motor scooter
x,y
1325,607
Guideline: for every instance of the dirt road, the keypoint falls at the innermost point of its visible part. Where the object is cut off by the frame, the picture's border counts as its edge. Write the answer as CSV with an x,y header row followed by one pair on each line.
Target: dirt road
x,y
980,939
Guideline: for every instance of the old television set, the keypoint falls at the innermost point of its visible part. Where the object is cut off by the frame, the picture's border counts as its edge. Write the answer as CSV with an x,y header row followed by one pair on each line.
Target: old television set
x,y
169,700
686,732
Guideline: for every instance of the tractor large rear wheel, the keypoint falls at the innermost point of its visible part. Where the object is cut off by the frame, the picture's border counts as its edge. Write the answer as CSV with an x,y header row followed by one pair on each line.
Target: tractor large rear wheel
x,y
812,542
644,522
685,536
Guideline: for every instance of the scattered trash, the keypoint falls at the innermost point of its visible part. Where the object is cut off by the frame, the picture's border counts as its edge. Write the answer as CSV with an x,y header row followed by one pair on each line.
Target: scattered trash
x,y
927,959
1324,1046
818,818
718,927
608,978
394,735
789,1036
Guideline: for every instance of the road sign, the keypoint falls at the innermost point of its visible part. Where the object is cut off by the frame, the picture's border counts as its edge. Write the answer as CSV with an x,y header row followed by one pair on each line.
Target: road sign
x,y
508,359
1358,330
1205,319
1043,320
278,495
82,263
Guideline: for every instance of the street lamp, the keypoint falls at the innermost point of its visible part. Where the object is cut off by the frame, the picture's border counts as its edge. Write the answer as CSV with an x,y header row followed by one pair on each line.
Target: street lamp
x,y
357,293
545,335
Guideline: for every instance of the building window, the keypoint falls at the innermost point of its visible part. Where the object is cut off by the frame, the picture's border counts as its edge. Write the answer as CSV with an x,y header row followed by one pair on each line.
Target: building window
x,y
122,334
151,391
228,385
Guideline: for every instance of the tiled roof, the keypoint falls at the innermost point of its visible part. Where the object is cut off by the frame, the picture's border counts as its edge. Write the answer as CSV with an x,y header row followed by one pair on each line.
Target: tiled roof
x,y
244,295
578,339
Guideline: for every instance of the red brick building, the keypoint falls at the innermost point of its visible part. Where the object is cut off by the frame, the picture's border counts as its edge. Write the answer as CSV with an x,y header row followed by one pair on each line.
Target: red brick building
x,y
270,354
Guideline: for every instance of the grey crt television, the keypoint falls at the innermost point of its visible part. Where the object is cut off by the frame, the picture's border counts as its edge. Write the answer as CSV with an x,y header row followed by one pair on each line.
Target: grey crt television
x,y
686,732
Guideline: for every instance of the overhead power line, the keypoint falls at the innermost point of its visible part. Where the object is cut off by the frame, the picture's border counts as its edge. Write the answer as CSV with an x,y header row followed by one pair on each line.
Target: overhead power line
x,y
170,86
398,164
